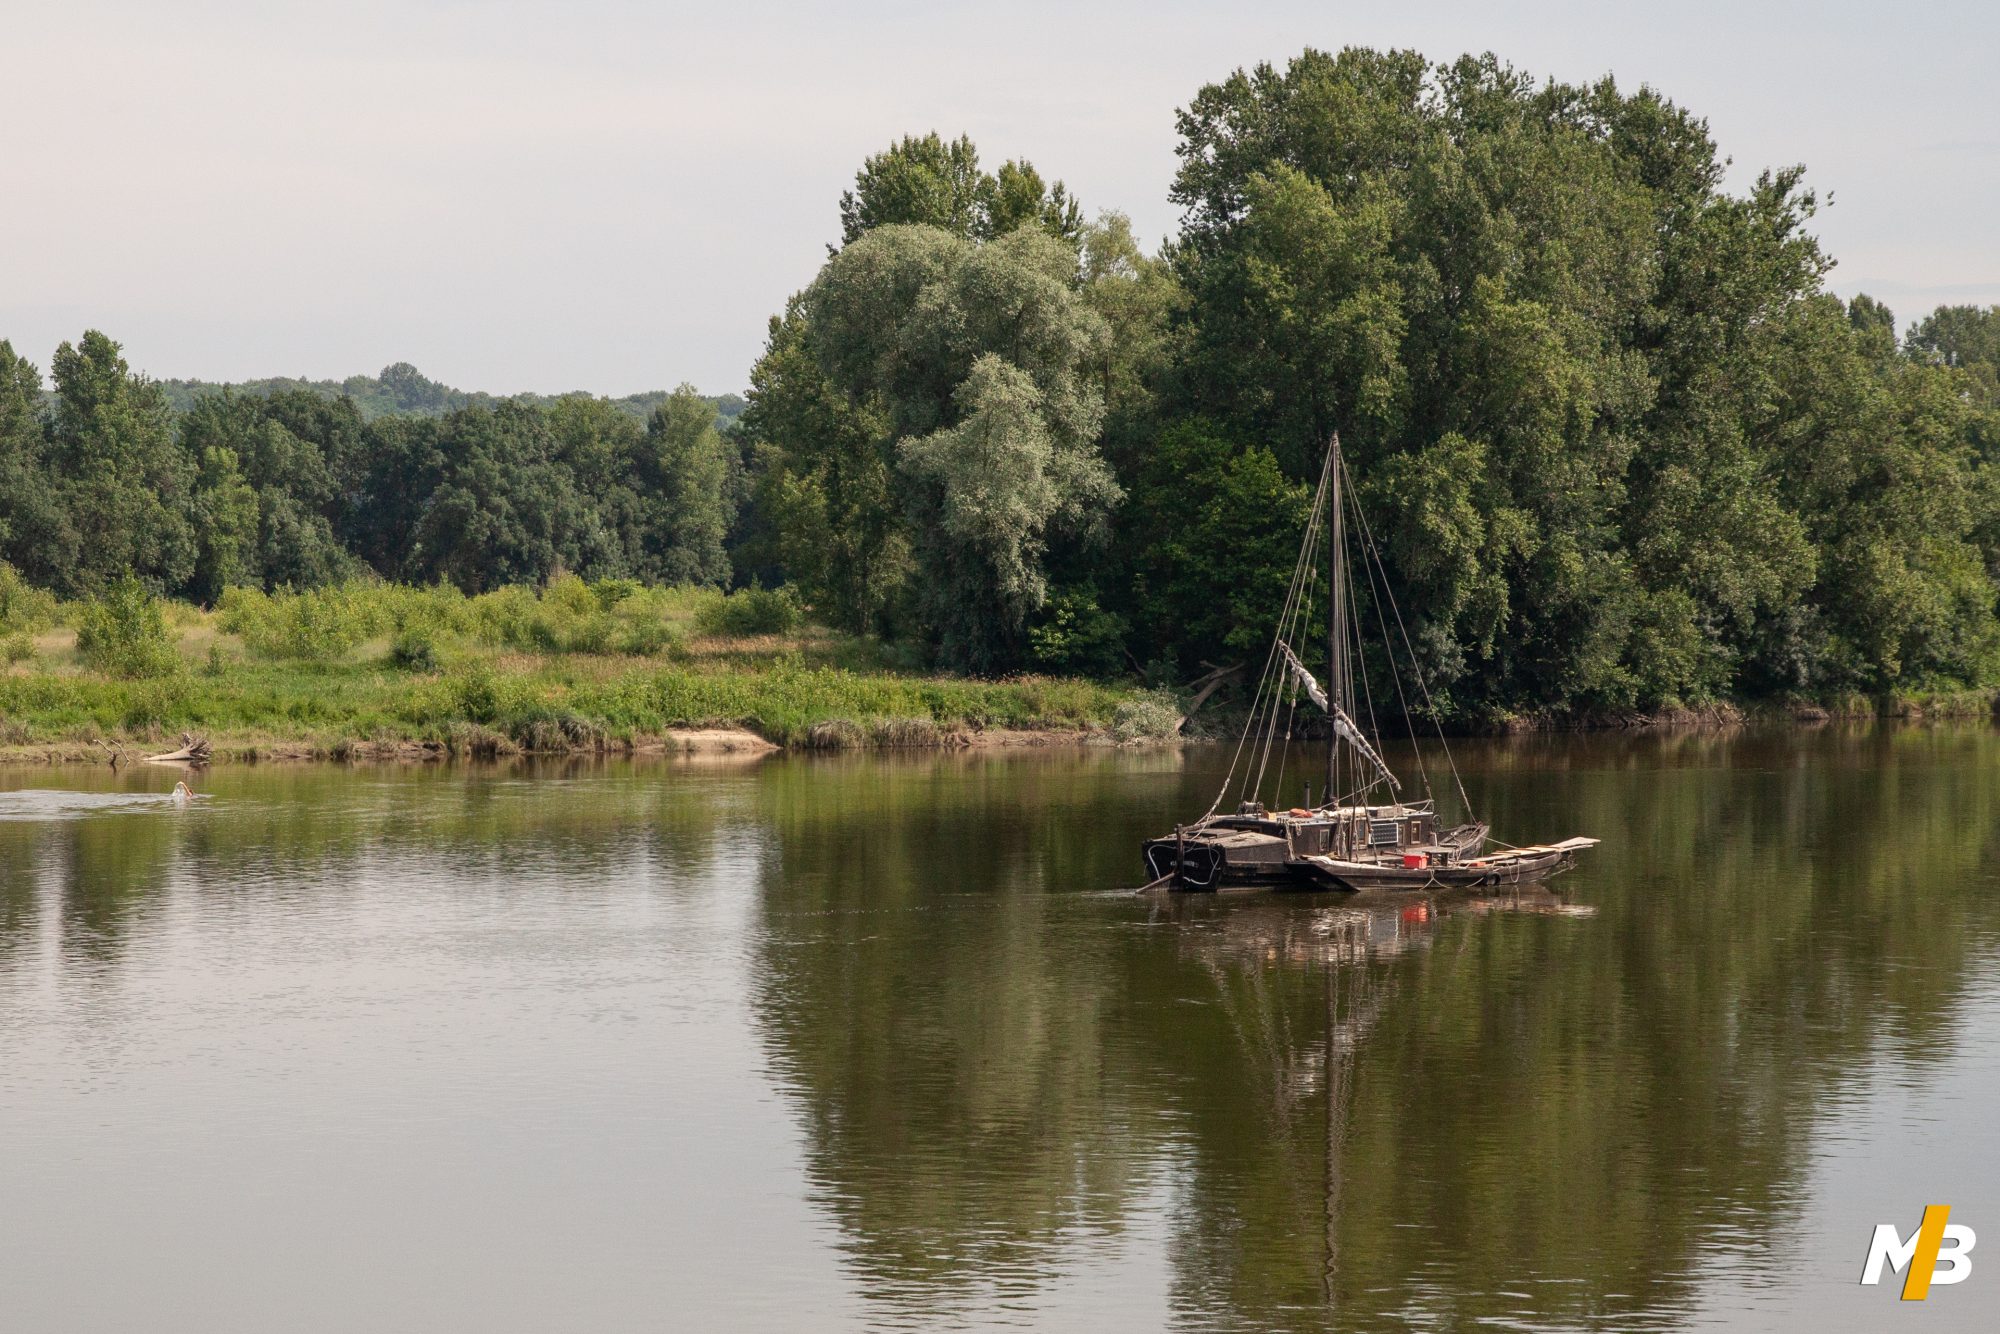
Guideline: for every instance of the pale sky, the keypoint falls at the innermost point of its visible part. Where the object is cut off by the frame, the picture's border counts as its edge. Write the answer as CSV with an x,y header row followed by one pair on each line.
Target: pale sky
x,y
615,196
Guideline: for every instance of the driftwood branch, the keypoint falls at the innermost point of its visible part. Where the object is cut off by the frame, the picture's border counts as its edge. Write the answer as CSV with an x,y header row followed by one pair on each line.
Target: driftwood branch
x,y
1209,684
194,750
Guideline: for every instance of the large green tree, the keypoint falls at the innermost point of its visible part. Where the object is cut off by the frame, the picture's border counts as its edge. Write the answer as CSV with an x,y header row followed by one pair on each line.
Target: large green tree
x,y
122,482
826,489
679,473
938,395
1546,336
503,511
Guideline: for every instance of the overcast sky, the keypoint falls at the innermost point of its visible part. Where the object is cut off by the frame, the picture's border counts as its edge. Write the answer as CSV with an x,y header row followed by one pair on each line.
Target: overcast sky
x,y
614,196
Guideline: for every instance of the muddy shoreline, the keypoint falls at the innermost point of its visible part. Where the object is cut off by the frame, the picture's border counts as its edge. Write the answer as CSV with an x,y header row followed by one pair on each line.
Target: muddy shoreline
x,y
736,743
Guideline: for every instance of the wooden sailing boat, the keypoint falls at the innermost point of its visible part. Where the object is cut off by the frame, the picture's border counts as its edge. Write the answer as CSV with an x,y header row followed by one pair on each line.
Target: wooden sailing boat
x,y
1363,834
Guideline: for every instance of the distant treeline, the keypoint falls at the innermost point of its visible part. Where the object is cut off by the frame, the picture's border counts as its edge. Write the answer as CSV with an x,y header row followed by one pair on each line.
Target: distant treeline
x,y
299,488
1619,445
402,388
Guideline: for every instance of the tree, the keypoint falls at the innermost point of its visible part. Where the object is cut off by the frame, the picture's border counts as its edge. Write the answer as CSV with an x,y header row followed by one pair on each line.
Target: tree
x,y
1140,300
939,349
226,524
680,471
825,488
503,511
1215,532
413,391
928,182
991,486
34,531
917,181
1525,306
1966,337
1018,198
594,440
291,492
121,479
405,463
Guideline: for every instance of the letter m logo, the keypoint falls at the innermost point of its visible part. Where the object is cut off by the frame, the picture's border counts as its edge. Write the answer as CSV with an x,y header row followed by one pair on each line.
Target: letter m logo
x,y
1921,1253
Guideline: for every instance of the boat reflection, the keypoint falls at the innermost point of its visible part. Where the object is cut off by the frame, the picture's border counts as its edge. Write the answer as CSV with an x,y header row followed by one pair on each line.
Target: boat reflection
x,y
1351,930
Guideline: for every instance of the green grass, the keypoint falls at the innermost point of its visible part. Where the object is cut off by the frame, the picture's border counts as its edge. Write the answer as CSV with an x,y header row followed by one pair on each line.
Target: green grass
x,y
572,667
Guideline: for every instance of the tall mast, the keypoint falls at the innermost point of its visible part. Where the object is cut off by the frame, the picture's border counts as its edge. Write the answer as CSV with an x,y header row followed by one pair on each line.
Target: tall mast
x,y
1336,627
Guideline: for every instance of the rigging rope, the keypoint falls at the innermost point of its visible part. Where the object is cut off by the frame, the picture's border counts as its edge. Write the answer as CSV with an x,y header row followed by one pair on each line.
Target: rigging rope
x,y
1300,572
1375,553
1378,588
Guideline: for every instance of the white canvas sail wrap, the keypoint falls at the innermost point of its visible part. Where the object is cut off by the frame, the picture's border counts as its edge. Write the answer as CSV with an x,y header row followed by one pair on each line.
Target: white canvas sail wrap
x,y
1343,726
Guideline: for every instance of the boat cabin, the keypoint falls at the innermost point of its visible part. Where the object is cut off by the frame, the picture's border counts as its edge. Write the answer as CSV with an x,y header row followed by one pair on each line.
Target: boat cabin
x,y
1342,832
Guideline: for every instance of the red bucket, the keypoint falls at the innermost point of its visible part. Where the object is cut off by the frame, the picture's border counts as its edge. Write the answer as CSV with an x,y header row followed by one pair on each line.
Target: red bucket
x,y
1416,861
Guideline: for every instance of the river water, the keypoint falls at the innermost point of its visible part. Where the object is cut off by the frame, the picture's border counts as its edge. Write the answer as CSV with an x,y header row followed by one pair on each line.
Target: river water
x,y
869,1043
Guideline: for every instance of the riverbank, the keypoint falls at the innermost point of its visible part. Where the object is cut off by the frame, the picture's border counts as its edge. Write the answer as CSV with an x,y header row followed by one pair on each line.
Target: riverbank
x,y
521,703
387,672
551,705
418,675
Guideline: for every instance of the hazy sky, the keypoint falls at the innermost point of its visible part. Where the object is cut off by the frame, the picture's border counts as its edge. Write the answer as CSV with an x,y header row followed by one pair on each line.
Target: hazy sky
x,y
614,196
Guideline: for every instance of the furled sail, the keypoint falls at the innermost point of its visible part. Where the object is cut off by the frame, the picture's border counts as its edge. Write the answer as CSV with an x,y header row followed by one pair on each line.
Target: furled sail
x,y
1304,677
1343,726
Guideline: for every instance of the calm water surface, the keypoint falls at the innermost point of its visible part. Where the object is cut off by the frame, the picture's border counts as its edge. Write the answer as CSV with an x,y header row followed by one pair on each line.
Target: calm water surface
x,y
867,1044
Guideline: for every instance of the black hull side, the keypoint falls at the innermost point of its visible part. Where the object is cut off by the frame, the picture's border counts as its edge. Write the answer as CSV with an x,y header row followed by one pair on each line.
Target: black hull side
x,y
1205,867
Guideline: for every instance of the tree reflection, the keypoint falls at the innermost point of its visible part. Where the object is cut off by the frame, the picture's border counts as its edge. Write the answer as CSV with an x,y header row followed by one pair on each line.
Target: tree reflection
x,y
1439,1112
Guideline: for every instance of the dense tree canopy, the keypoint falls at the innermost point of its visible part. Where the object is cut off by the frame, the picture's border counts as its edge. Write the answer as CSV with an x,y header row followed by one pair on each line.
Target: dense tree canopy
x,y
1597,401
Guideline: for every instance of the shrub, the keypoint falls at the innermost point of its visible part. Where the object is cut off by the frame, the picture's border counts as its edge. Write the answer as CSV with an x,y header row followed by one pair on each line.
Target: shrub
x,y
570,616
1152,716
554,731
561,630
124,633
833,734
17,647
471,741
475,696
23,607
645,638
318,625
907,734
414,651
749,611
611,592
440,609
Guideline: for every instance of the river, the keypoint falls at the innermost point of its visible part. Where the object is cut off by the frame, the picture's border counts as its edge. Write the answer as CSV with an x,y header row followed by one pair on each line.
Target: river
x,y
870,1043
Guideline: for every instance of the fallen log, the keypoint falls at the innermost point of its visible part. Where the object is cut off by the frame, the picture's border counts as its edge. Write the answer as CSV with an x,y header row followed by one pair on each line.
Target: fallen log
x,y
1209,683
194,750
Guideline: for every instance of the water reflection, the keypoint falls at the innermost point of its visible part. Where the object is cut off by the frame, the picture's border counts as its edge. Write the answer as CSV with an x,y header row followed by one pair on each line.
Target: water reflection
x,y
1428,1114
1021,1099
